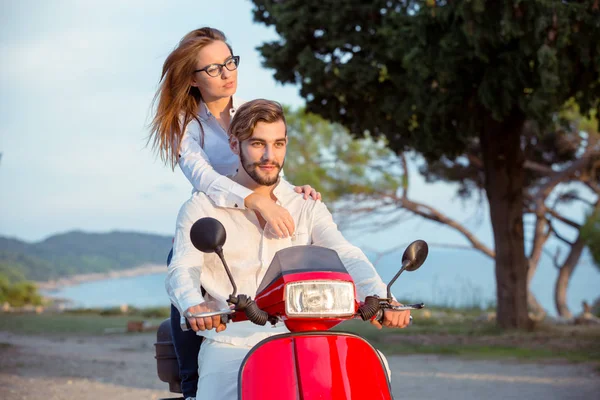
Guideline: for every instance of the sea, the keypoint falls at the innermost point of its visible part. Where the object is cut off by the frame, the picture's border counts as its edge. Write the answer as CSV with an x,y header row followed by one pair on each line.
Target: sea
x,y
449,277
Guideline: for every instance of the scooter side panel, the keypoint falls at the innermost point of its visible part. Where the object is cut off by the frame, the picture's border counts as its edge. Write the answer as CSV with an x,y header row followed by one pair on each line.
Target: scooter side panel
x,y
340,367
317,365
269,372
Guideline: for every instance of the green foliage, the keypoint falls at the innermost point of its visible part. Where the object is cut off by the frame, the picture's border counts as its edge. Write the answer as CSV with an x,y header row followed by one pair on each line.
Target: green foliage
x,y
591,233
79,252
431,75
325,156
23,293
18,293
10,272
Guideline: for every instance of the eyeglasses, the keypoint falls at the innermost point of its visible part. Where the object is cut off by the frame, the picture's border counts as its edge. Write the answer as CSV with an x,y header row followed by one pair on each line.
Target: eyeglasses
x,y
215,70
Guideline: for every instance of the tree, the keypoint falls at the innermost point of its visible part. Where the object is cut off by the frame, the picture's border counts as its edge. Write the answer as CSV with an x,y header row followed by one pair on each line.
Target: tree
x,y
325,155
16,291
433,75
591,236
562,168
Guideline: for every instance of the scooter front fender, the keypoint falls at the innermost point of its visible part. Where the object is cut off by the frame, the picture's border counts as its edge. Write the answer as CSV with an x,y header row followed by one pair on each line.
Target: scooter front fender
x,y
315,365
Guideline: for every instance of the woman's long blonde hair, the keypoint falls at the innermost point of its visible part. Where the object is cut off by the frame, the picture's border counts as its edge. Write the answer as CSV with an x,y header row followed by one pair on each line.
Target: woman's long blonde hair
x,y
176,100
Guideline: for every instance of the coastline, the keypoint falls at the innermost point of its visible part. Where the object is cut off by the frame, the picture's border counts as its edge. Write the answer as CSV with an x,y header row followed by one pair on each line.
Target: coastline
x,y
55,284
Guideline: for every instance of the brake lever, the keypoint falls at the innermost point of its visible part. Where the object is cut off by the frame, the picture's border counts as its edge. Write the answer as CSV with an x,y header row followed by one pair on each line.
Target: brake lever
x,y
403,307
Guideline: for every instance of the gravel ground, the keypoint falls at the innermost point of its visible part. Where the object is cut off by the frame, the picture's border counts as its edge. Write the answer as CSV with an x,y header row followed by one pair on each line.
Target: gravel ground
x,y
123,367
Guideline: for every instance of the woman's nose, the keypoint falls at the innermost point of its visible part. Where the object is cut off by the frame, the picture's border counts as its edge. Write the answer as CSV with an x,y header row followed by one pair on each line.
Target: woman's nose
x,y
225,73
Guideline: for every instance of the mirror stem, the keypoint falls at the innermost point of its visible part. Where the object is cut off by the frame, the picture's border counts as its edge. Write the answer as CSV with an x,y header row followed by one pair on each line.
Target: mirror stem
x,y
219,251
389,287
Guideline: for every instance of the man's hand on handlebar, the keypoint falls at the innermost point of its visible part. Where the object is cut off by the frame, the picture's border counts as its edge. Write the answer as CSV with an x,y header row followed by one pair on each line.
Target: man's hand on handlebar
x,y
393,319
207,323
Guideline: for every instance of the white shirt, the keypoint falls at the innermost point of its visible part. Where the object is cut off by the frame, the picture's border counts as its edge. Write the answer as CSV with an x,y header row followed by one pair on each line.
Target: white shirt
x,y
206,161
248,251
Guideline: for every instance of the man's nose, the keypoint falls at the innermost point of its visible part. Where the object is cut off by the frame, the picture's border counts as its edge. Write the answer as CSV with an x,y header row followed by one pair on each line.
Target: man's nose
x,y
268,153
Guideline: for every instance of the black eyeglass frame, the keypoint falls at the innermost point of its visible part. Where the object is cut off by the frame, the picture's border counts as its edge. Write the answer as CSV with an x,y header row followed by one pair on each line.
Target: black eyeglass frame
x,y
236,60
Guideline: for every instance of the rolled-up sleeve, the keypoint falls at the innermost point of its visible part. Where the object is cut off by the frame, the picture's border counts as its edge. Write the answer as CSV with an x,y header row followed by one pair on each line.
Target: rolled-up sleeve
x,y
325,233
183,276
196,167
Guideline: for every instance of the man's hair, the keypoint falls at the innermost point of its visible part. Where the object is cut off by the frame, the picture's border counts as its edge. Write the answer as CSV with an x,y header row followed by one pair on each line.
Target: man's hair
x,y
249,114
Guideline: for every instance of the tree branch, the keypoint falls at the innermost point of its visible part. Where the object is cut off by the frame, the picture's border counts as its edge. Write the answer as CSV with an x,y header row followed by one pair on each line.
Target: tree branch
x,y
561,176
434,215
537,167
559,217
380,254
405,178
558,236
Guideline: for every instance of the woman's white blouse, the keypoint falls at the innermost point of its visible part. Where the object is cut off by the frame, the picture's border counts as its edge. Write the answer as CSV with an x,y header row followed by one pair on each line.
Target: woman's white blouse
x,y
206,161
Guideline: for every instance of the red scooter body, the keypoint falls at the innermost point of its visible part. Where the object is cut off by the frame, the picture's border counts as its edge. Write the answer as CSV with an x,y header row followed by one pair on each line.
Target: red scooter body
x,y
310,290
316,365
310,362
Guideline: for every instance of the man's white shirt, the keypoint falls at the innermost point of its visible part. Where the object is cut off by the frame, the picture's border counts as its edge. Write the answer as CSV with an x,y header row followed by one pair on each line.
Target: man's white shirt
x,y
248,251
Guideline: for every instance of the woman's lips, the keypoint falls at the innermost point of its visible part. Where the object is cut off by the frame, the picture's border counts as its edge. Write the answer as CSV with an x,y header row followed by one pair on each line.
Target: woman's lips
x,y
229,85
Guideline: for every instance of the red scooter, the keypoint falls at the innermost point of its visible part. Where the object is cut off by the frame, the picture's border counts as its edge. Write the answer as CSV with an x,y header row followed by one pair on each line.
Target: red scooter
x,y
309,289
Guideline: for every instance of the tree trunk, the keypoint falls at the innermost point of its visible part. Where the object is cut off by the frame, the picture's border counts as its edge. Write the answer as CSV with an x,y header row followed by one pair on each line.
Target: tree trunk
x,y
564,276
504,171
533,305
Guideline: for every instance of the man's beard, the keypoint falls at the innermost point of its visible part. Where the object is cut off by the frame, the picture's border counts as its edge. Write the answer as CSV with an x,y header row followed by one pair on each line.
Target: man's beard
x,y
252,170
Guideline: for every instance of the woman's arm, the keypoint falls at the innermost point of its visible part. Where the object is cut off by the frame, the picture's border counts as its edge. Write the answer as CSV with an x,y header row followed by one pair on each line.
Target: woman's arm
x,y
196,167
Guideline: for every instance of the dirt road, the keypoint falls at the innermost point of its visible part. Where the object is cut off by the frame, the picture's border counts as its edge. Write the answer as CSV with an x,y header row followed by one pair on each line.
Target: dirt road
x,y
123,367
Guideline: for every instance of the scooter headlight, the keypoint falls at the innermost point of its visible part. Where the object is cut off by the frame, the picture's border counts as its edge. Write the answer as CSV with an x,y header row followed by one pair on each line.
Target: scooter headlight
x,y
319,299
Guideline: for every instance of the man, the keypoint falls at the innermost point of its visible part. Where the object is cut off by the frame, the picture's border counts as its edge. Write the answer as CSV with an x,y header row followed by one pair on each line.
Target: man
x,y
258,136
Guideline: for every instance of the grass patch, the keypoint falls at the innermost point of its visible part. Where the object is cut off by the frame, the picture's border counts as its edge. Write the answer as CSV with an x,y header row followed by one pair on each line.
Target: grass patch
x,y
75,323
482,352
480,340
466,327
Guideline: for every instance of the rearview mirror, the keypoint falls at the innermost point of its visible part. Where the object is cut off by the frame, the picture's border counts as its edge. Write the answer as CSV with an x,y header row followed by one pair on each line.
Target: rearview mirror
x,y
208,235
414,256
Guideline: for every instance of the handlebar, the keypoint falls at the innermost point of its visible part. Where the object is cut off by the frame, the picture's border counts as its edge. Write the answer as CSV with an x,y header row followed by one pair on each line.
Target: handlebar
x,y
241,303
374,307
224,313
379,316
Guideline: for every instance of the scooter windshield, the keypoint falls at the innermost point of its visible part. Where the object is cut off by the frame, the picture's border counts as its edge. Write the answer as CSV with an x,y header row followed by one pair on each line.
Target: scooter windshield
x,y
301,259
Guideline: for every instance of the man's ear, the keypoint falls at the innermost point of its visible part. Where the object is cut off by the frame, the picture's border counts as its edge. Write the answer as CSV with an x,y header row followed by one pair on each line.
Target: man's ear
x,y
234,145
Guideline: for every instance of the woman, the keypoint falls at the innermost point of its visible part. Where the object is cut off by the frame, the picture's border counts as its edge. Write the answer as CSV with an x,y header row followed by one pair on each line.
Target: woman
x,y
196,102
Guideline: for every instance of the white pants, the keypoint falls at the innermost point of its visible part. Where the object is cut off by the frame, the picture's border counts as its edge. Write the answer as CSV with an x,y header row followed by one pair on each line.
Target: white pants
x,y
218,368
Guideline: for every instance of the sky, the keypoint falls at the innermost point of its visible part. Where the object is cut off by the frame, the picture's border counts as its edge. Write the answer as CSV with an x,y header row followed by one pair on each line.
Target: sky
x,y
77,80
76,83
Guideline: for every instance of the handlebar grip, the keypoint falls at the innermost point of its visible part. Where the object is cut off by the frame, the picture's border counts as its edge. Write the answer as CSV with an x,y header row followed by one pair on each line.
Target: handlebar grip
x,y
185,324
379,317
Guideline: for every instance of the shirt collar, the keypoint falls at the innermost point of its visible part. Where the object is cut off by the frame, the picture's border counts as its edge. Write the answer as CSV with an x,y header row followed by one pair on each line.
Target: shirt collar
x,y
283,190
205,114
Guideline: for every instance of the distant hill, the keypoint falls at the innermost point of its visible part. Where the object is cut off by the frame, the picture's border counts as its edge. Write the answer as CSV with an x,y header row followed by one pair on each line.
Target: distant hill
x,y
79,252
